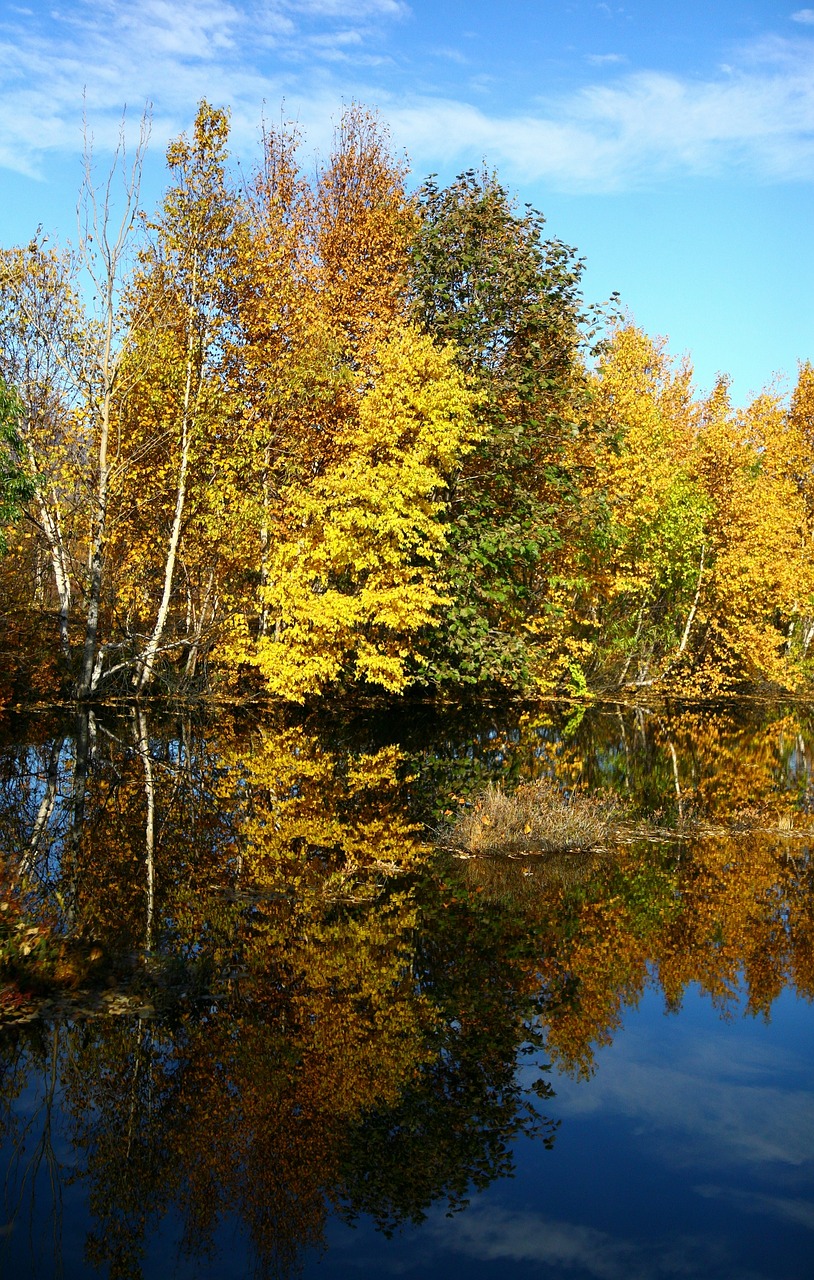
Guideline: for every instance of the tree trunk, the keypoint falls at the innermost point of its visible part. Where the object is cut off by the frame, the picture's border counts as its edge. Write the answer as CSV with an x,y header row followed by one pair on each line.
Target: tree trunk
x,y
205,610
91,670
143,747
144,670
59,563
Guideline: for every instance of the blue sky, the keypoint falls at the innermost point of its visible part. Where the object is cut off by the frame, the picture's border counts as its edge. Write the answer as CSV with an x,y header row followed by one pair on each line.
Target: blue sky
x,y
672,144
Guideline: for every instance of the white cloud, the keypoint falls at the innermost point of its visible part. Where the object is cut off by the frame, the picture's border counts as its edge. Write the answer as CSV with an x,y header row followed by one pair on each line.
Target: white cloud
x,y
756,118
605,59
804,15
491,1234
340,8
172,53
705,1110
633,130
451,55
786,1208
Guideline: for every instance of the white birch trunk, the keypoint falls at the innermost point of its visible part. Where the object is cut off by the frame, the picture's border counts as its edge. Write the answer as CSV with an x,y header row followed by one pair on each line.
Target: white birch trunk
x,y
144,671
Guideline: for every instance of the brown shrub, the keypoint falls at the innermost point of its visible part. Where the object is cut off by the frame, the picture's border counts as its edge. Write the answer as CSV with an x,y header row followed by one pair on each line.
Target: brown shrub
x,y
535,819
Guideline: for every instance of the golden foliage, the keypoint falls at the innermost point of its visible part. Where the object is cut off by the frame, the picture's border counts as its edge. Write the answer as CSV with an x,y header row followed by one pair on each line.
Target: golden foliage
x,y
359,569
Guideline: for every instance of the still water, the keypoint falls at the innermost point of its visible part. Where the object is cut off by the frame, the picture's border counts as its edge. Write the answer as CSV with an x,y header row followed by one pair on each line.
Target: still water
x,y
258,1016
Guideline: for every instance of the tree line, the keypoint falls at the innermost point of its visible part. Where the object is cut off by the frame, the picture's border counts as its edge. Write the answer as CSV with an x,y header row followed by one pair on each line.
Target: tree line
x,y
297,431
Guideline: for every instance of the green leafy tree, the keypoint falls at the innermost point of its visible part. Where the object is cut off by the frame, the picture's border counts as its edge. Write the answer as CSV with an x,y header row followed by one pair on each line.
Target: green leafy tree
x,y
485,277
15,486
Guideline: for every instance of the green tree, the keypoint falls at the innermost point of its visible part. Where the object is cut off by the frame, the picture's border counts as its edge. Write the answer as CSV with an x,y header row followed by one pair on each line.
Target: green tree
x,y
485,277
16,487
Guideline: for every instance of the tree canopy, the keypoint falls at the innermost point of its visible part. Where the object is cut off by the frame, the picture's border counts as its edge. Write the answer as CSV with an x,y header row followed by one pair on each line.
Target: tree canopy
x,y
317,430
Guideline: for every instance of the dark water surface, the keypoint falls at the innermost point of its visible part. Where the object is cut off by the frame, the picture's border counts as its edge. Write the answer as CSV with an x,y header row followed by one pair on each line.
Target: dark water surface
x,y
257,1019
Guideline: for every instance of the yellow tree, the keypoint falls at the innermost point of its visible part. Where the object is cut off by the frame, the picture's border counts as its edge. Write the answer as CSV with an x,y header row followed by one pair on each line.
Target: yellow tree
x,y
359,573
351,426
41,338
364,225
648,552
287,369
760,571
179,403
797,430
700,569
66,361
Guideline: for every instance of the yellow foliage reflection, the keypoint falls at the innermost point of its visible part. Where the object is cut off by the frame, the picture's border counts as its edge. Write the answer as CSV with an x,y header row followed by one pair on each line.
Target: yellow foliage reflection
x,y
286,996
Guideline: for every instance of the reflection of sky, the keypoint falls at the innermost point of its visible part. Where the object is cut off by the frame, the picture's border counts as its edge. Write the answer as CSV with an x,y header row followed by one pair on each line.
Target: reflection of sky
x,y
689,1154
716,1098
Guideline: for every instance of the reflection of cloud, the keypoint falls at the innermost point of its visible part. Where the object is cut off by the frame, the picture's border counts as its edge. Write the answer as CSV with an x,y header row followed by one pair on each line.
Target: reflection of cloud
x,y
787,1208
492,1234
706,1111
495,1234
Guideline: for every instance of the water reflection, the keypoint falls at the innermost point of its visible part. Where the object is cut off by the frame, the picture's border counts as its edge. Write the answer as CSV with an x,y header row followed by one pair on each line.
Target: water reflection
x,y
243,983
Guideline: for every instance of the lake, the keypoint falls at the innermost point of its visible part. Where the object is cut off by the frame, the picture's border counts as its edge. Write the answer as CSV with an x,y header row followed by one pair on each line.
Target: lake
x,y
264,1013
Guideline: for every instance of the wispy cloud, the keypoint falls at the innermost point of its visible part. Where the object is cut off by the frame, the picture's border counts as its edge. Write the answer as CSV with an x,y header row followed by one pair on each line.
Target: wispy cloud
x,y
172,53
705,1111
340,8
804,16
605,59
634,129
785,1208
756,118
451,55
492,1234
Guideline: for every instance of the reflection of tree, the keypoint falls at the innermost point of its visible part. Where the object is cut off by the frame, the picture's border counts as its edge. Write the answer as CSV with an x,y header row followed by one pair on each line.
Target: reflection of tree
x,y
263,1105
725,904
321,1011
452,1125
299,1002
30,1135
119,1090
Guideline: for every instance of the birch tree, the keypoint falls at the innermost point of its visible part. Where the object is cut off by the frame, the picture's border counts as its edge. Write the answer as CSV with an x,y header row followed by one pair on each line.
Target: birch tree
x,y
41,335
104,243
63,333
184,283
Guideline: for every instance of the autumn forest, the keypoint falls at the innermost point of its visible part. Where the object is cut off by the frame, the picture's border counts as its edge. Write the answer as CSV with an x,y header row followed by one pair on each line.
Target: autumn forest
x,y
297,432
289,961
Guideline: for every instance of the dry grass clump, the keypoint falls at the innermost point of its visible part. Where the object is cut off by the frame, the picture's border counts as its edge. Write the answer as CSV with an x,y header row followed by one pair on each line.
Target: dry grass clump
x,y
537,818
